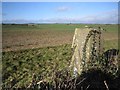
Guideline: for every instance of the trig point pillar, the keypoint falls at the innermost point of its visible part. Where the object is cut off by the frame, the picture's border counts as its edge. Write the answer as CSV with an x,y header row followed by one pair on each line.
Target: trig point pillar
x,y
82,46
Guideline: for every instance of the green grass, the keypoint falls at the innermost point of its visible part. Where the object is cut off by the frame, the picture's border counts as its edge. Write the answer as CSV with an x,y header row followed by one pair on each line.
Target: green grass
x,y
108,44
59,27
19,67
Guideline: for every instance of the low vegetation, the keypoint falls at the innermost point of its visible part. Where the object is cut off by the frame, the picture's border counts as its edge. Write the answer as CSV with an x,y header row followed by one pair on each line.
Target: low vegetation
x,y
42,53
19,67
19,37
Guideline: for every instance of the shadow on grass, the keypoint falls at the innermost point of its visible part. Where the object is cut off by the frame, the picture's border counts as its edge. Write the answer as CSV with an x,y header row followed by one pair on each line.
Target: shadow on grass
x,y
90,80
97,80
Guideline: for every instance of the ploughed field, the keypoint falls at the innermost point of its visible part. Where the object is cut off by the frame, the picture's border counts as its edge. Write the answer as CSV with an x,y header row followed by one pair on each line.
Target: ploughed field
x,y
17,37
39,50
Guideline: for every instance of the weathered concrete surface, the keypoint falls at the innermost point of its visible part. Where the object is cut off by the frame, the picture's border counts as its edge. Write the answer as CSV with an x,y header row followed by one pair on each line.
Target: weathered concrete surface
x,y
78,44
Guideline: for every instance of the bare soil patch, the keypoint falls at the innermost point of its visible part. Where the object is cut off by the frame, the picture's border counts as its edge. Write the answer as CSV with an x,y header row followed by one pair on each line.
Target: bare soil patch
x,y
26,39
16,40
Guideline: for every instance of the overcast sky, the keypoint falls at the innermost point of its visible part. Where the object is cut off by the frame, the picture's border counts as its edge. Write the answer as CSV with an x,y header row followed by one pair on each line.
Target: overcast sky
x,y
60,12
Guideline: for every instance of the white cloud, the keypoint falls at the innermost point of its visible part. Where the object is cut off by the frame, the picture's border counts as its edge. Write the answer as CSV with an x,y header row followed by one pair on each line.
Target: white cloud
x,y
19,21
104,17
63,8
110,17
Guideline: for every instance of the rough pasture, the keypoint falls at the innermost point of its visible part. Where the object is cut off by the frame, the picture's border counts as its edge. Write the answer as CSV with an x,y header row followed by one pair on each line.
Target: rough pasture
x,y
17,37
52,51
